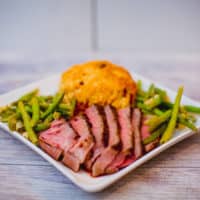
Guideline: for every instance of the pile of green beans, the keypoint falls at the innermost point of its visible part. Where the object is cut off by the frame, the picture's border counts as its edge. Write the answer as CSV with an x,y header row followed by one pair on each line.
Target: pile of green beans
x,y
164,116
33,113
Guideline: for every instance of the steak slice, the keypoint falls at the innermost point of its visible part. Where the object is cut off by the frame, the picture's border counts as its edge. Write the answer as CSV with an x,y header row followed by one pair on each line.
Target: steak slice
x,y
98,129
128,161
136,121
71,161
60,135
85,143
82,148
152,145
97,124
116,163
102,162
57,123
126,133
54,152
113,128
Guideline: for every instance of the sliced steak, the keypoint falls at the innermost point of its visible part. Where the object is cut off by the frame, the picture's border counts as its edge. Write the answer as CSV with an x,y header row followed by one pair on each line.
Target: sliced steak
x,y
82,148
145,131
126,136
97,124
57,123
152,145
60,135
128,161
52,151
116,163
98,129
58,140
80,125
126,133
85,143
102,162
113,128
136,121
71,161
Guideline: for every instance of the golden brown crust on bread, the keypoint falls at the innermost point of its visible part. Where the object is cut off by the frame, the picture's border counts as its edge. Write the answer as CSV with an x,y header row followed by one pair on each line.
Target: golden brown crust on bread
x,y
99,82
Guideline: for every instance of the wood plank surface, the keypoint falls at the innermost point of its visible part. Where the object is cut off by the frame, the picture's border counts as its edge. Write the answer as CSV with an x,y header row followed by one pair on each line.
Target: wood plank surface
x,y
174,174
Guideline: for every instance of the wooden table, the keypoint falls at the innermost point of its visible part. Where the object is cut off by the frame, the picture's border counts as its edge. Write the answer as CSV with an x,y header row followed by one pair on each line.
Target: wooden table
x,y
175,174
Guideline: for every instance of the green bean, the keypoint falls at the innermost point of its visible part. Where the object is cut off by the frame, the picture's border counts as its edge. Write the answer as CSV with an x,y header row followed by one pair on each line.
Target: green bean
x,y
63,106
56,100
18,113
162,93
43,105
156,121
72,107
182,110
172,122
27,124
67,109
4,119
7,110
140,91
12,121
28,109
143,108
151,91
187,116
49,118
187,123
191,118
6,114
155,135
36,111
193,109
158,112
41,127
45,101
64,112
153,102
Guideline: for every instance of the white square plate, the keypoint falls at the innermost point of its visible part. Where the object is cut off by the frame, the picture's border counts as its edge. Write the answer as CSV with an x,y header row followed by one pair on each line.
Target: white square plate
x,y
83,179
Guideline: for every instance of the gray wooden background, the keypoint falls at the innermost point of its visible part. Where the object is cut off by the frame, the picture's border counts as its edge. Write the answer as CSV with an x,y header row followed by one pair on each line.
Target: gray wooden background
x,y
158,39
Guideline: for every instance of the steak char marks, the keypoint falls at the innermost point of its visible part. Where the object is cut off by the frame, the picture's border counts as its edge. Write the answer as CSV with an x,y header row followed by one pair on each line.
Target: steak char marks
x,y
113,126
126,133
136,121
98,129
